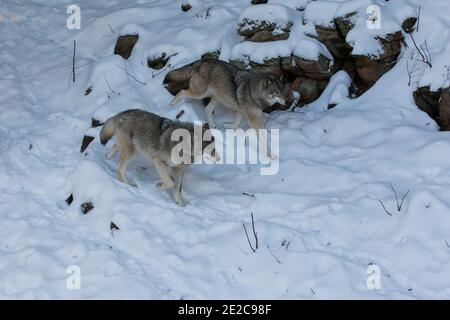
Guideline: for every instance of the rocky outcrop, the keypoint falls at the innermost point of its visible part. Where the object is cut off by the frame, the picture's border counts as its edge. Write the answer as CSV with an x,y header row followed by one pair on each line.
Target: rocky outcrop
x,y
125,44
436,104
444,110
159,62
276,24
332,39
319,69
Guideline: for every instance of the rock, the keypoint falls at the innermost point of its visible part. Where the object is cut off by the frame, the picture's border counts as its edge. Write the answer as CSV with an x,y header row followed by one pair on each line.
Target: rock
x,y
159,62
275,24
125,44
264,36
428,101
85,143
309,91
96,123
409,24
86,207
211,55
88,90
346,22
113,226
69,199
259,1
318,70
444,110
371,68
334,42
185,7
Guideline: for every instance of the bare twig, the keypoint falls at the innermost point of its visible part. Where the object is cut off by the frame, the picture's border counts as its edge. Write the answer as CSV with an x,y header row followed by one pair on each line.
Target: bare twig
x,y
112,31
418,17
273,255
130,75
248,239
106,80
401,202
384,208
255,234
424,52
254,231
73,60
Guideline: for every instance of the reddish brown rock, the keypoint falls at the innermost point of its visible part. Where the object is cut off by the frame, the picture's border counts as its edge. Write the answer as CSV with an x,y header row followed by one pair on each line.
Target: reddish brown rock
x,y
444,110
317,70
125,44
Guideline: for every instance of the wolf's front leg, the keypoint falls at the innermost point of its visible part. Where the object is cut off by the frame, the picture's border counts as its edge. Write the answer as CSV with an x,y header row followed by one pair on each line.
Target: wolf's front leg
x,y
254,116
237,121
166,180
180,95
209,110
177,194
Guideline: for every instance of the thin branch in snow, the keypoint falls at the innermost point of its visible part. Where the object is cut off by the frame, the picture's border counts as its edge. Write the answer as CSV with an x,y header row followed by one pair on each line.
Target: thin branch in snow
x,y
384,208
254,231
130,75
73,60
248,239
273,255
255,234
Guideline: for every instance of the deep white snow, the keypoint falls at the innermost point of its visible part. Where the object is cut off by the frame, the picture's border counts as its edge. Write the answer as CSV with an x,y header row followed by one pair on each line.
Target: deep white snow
x,y
319,221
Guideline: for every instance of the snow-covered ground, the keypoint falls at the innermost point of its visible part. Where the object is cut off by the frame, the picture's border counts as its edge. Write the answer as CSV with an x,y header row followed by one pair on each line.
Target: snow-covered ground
x,y
319,221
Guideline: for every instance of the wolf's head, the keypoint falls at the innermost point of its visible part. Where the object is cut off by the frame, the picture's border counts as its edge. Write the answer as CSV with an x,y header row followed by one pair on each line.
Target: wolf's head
x,y
272,90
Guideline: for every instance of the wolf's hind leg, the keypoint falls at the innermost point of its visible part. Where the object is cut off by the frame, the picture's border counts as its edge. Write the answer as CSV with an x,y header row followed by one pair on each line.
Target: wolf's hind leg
x,y
125,156
112,153
166,180
179,171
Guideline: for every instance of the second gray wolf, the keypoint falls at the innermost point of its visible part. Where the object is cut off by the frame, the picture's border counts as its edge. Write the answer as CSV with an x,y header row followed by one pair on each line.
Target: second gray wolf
x,y
145,133
248,93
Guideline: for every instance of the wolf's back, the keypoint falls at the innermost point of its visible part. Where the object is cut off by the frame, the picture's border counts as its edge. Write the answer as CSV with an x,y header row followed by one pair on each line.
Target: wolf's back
x,y
183,73
108,130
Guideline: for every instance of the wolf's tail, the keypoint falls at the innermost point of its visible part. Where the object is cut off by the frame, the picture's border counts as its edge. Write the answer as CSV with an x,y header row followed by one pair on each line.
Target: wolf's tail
x,y
183,73
108,130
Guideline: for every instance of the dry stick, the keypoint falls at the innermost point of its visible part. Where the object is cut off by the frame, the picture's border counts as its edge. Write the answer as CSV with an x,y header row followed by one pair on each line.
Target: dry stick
x,y
104,75
143,83
248,239
73,60
425,59
254,232
418,18
401,202
395,193
384,208
273,255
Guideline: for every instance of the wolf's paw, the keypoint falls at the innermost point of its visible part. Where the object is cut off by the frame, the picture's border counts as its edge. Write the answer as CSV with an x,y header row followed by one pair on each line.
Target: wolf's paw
x,y
180,201
164,186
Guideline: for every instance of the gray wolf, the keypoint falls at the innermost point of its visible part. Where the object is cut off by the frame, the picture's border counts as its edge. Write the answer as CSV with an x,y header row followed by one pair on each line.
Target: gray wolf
x,y
248,93
145,133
